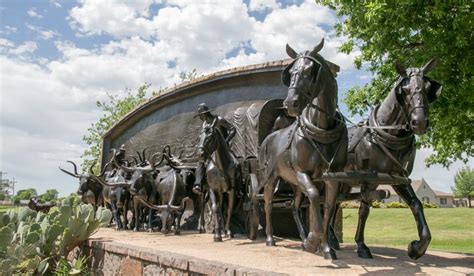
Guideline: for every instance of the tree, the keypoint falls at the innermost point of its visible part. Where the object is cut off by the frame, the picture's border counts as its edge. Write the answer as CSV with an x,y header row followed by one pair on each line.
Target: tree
x,y
49,196
113,110
464,184
413,32
25,194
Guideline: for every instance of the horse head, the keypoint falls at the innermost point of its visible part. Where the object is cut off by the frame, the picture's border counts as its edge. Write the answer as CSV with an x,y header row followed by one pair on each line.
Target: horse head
x,y
207,142
305,77
415,91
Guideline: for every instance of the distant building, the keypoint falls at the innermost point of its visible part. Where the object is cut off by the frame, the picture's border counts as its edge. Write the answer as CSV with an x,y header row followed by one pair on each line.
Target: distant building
x,y
424,192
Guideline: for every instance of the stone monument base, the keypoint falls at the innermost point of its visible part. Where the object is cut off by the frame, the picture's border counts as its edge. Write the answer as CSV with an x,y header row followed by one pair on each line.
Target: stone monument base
x,y
130,253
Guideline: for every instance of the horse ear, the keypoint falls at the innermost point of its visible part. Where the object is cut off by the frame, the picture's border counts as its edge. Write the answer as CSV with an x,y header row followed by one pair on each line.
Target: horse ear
x,y
292,53
317,48
430,65
400,69
435,90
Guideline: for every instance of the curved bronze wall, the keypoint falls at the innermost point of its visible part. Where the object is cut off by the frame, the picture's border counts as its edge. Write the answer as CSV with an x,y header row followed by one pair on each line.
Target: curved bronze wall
x,y
168,118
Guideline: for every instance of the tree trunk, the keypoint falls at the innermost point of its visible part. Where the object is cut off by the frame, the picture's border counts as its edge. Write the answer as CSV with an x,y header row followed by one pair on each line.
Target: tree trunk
x,y
469,201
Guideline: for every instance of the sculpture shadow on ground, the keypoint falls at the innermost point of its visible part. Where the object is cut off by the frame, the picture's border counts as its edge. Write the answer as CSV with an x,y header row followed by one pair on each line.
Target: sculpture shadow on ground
x,y
396,261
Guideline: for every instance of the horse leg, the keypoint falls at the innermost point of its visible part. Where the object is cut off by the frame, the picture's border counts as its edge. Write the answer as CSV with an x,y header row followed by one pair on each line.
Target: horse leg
x,y
416,249
116,216
297,213
333,240
227,230
313,240
177,229
362,250
268,190
331,193
215,216
202,202
150,220
137,214
125,215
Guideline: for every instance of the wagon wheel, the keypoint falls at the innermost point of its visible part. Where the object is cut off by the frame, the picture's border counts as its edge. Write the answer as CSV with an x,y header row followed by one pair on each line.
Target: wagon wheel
x,y
253,214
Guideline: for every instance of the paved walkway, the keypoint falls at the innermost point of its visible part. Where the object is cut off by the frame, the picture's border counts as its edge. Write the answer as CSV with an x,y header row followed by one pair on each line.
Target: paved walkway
x,y
287,257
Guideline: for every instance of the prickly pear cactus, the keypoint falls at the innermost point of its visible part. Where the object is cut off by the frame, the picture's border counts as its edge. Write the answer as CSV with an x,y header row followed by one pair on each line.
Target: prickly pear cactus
x,y
31,242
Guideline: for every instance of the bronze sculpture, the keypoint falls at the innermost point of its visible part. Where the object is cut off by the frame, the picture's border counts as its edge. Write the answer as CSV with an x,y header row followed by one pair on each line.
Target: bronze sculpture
x,y
386,143
90,188
222,170
210,120
35,205
315,143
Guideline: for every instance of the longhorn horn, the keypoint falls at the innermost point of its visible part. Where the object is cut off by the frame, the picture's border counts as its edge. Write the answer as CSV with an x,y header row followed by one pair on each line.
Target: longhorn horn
x,y
92,166
71,174
104,183
139,157
317,48
75,167
291,53
143,154
155,165
103,170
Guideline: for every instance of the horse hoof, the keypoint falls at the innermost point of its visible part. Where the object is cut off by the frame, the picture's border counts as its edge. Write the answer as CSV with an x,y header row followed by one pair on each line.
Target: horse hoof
x,y
217,239
150,230
177,233
414,250
202,231
135,229
364,252
230,235
270,242
330,255
311,244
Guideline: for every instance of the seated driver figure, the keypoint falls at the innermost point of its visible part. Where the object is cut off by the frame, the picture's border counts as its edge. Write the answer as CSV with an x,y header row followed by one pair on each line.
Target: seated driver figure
x,y
210,120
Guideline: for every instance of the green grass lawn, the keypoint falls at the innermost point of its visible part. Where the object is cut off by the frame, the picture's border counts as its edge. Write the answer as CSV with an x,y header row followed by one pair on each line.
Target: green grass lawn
x,y
452,229
6,208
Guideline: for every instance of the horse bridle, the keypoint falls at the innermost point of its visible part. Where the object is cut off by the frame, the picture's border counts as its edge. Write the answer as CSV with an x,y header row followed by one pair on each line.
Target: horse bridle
x,y
315,79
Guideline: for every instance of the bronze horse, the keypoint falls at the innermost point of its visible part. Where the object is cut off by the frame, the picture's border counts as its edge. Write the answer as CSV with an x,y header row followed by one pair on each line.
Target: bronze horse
x,y
386,144
315,143
223,173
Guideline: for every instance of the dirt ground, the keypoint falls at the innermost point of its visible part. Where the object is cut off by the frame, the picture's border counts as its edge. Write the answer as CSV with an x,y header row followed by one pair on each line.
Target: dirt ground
x,y
287,257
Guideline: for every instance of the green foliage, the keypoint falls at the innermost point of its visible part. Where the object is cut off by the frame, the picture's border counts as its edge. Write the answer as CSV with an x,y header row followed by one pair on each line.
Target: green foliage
x,y
49,196
113,110
429,205
32,242
353,204
464,184
414,32
25,194
77,267
377,204
395,204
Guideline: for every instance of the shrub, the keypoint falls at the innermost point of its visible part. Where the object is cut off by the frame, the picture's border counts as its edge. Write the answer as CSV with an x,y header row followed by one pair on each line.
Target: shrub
x,y
32,243
429,205
377,204
396,205
350,204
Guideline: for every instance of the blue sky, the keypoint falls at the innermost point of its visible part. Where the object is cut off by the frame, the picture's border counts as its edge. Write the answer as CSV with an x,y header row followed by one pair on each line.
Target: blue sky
x,y
57,58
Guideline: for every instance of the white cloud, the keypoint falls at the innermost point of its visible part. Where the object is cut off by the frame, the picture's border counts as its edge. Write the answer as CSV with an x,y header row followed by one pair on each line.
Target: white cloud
x,y
47,107
118,19
8,30
262,5
6,43
42,32
56,3
33,13
27,47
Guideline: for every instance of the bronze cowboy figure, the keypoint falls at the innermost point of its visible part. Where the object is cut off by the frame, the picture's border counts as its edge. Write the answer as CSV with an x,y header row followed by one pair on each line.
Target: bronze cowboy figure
x,y
210,120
